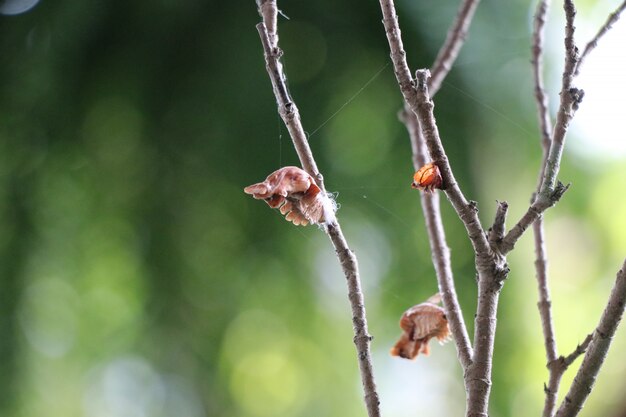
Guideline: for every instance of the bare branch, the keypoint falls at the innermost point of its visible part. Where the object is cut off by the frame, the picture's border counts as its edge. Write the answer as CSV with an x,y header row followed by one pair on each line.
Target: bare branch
x,y
533,213
290,115
557,367
496,231
286,107
580,349
439,247
398,55
423,107
541,261
269,12
545,312
430,201
491,271
613,18
537,60
551,190
416,95
362,338
597,350
571,97
452,46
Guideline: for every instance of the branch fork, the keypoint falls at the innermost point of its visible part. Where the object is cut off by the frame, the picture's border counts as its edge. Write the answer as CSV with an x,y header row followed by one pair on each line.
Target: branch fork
x,y
492,246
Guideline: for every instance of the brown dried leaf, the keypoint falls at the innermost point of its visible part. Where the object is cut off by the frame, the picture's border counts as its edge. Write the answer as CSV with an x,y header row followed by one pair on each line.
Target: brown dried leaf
x,y
421,323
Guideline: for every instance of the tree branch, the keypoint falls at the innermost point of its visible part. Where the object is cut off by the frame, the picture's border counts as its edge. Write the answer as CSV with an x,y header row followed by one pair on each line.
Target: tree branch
x,y
544,304
362,338
491,271
613,18
541,261
420,103
423,107
286,107
551,191
545,312
430,201
290,115
557,368
571,97
452,46
580,349
496,231
537,62
597,350
439,247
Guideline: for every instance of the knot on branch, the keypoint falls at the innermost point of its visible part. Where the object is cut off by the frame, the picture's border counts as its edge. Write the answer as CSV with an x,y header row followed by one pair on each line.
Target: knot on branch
x,y
495,234
549,199
557,365
576,96
558,192
484,381
421,77
278,53
501,272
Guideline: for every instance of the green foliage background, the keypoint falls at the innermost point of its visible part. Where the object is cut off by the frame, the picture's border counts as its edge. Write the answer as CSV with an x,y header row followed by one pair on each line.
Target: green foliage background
x,y
137,279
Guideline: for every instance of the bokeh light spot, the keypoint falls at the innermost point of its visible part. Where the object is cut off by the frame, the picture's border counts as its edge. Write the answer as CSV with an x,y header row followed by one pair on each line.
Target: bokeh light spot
x,y
13,7
267,384
254,330
48,318
125,387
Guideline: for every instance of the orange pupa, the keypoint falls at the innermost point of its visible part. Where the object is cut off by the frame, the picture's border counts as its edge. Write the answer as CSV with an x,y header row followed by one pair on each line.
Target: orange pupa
x,y
427,178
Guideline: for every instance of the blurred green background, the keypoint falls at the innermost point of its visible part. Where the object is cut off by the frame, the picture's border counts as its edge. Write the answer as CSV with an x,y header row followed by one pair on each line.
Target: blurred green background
x,y
137,279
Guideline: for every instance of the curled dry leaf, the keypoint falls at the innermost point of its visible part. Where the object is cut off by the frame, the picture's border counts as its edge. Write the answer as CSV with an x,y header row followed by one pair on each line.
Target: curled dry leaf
x,y
421,323
427,178
294,192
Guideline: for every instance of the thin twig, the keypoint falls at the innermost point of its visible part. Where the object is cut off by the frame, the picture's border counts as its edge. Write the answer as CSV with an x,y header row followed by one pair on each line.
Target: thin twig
x,y
597,350
467,211
491,270
545,312
551,191
544,304
557,368
580,349
537,60
290,115
286,107
612,19
439,247
362,339
422,105
496,231
571,97
452,46
448,53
